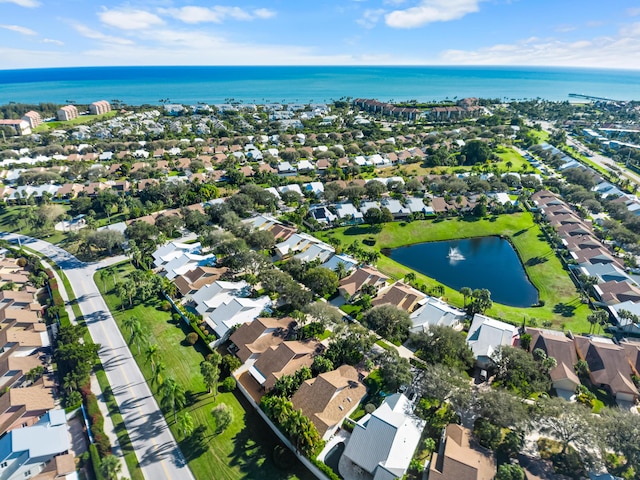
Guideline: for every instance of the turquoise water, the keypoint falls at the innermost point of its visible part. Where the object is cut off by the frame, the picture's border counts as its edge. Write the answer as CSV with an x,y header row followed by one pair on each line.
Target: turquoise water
x,y
138,85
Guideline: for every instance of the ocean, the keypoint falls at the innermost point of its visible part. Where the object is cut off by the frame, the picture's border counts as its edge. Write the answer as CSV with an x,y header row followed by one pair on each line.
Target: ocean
x,y
189,85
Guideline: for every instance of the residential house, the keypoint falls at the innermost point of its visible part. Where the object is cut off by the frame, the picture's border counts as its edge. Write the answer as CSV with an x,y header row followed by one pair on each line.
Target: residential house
x,y
486,335
609,366
557,345
460,458
283,359
435,312
40,451
185,263
172,250
316,251
401,295
352,285
234,311
348,212
348,262
298,242
329,398
254,338
322,214
193,280
383,442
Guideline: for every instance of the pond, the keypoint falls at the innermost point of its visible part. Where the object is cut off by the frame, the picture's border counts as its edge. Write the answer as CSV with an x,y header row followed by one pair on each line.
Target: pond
x,y
483,262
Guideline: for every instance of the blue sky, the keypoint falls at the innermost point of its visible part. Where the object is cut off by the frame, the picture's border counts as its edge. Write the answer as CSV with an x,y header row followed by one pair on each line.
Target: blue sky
x,y
588,33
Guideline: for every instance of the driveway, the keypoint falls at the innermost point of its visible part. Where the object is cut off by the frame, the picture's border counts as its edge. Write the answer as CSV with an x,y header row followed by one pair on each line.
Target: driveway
x,y
157,451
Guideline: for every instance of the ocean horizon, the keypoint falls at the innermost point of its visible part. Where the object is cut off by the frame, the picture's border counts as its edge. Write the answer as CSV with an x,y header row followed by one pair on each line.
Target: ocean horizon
x,y
304,84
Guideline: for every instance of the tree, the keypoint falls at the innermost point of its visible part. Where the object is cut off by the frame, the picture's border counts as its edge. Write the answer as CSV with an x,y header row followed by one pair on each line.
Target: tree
x,y
502,409
324,313
211,374
445,384
507,471
466,293
185,424
110,467
131,323
621,433
157,378
373,216
223,416
570,424
395,371
480,301
321,364
374,189
389,322
599,317
442,344
476,151
106,239
261,239
525,341
518,371
172,396
321,280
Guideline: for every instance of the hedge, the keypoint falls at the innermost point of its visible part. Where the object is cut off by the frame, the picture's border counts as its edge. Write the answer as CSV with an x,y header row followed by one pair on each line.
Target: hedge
x,y
58,301
95,462
324,468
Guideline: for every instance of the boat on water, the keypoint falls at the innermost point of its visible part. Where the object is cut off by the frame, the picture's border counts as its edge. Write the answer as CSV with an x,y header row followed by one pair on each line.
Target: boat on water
x,y
454,254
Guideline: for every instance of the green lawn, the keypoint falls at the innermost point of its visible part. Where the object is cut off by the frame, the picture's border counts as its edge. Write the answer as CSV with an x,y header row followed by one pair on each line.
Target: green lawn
x,y
10,216
562,301
245,449
82,119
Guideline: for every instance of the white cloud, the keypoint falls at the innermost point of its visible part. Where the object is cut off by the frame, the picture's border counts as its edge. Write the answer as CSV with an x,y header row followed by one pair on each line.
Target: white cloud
x,y
370,17
430,11
617,51
633,12
264,13
129,19
95,35
19,29
53,41
215,14
23,3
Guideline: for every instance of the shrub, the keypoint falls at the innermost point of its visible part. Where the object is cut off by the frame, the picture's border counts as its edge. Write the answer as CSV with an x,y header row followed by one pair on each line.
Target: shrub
x,y
165,306
229,384
324,468
95,462
230,363
192,338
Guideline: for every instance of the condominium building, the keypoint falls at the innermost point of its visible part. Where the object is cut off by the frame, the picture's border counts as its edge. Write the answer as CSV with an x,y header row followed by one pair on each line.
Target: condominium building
x,y
67,113
33,118
100,107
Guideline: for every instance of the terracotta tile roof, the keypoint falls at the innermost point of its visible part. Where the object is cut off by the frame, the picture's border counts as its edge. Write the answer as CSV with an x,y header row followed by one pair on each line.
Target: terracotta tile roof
x,y
459,460
286,359
327,399
258,336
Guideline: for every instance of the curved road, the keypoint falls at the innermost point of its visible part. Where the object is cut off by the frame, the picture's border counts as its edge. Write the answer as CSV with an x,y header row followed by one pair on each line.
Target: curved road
x,y
157,451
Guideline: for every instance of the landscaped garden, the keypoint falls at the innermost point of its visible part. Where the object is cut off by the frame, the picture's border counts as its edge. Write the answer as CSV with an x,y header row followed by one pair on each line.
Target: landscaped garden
x,y
245,448
560,300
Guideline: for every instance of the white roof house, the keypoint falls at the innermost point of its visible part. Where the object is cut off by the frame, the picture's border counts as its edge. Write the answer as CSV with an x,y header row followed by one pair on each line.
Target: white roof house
x,y
486,335
383,442
261,222
345,210
172,250
322,214
416,205
235,311
187,262
501,197
348,262
316,251
25,452
317,188
294,187
364,206
297,242
395,207
436,312
210,297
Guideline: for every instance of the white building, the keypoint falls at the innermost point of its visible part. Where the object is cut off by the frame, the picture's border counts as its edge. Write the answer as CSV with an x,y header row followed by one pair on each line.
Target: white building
x,y
486,335
383,442
436,312
39,449
172,250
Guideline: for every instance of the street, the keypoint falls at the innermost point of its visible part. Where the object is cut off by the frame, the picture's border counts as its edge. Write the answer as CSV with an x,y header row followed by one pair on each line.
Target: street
x,y
157,451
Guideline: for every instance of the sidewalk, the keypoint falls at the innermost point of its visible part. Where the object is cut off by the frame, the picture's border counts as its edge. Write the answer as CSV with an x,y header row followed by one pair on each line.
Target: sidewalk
x,y
109,429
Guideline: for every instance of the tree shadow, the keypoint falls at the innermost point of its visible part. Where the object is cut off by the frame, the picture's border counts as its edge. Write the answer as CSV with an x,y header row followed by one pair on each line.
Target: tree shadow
x,y
532,262
564,309
195,444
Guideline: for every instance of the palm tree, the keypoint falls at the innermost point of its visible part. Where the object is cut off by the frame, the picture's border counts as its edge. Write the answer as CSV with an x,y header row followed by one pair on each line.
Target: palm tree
x,y
172,396
103,276
133,324
112,271
341,270
110,467
211,375
185,424
169,287
466,293
156,377
140,337
152,355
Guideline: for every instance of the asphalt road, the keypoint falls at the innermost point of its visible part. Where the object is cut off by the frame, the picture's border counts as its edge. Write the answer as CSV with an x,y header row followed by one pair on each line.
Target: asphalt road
x,y
157,451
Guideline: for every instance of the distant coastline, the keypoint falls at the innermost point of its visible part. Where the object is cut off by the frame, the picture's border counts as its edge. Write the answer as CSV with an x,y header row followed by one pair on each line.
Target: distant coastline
x,y
140,85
